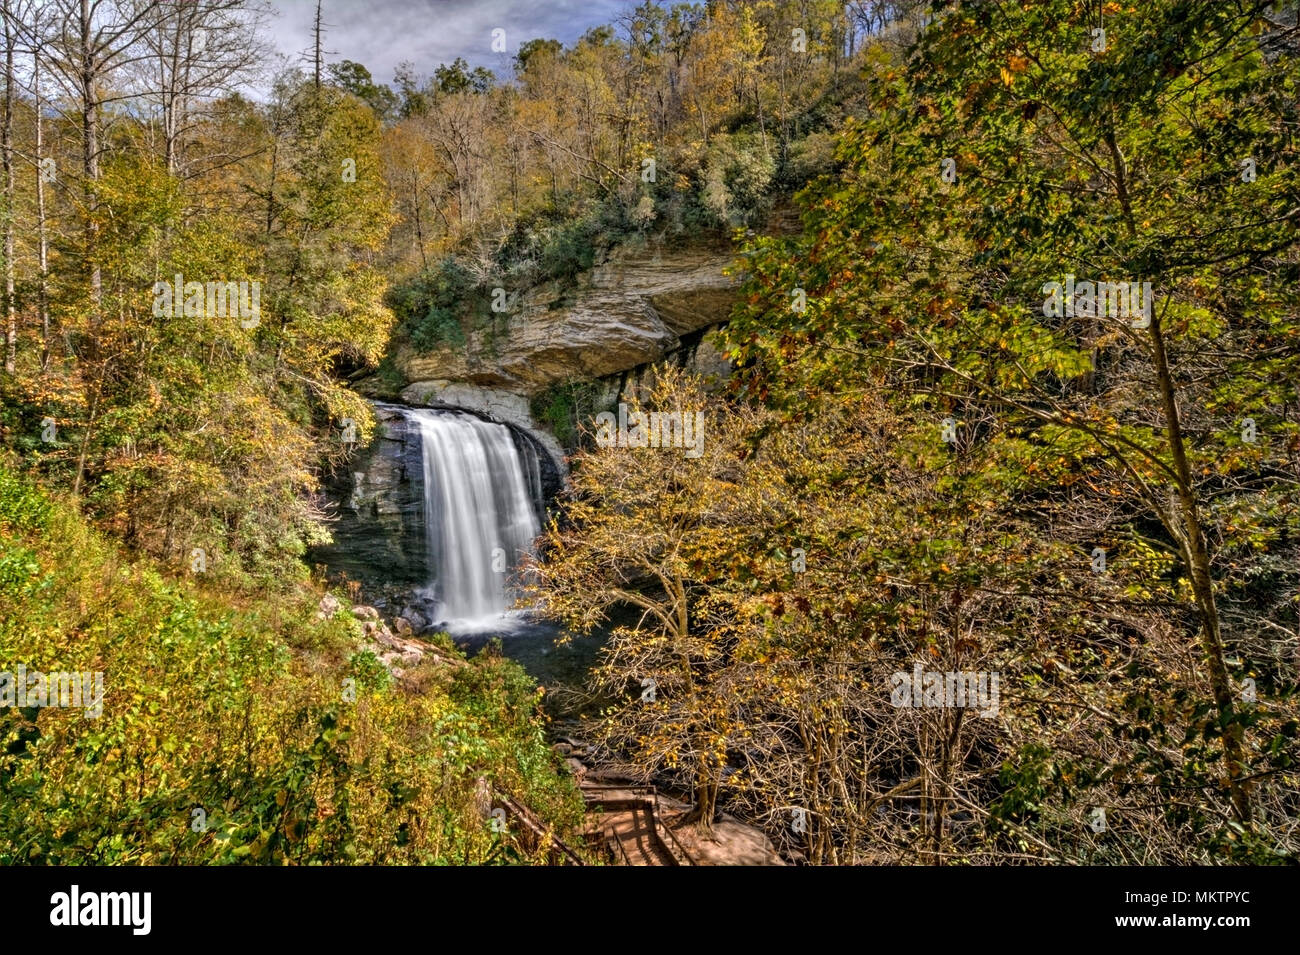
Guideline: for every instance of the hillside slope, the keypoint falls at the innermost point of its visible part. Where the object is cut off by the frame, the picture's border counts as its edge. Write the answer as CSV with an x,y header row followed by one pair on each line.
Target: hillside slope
x,y
255,731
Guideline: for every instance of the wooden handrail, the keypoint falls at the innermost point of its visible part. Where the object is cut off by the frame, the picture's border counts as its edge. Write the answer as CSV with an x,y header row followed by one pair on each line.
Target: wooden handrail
x,y
683,857
618,849
672,846
540,832
644,797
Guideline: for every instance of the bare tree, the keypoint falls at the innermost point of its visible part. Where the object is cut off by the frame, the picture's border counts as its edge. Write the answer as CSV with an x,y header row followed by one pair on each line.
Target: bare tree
x,y
197,52
317,55
42,225
87,44
7,158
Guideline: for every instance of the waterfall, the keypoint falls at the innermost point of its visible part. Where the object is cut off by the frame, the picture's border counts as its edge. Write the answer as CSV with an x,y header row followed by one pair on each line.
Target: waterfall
x,y
481,505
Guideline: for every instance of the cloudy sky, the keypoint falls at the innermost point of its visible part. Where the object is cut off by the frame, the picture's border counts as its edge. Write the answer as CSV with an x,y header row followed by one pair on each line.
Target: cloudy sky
x,y
383,33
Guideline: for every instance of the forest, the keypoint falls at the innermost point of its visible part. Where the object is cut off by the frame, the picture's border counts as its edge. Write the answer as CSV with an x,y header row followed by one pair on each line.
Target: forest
x,y
983,550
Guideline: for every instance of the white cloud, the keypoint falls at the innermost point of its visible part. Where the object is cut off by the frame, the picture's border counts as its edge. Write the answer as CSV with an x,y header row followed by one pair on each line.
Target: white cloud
x,y
382,33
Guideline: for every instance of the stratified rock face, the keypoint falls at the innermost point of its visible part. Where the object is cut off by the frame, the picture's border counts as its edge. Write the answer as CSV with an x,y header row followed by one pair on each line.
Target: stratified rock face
x,y
377,507
629,312
493,402
699,356
638,312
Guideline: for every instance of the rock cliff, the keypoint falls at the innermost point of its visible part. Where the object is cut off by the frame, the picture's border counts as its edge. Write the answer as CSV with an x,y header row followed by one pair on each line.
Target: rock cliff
x,y
630,312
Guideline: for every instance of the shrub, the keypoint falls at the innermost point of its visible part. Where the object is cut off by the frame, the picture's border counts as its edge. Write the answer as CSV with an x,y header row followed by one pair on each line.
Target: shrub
x,y
430,305
223,740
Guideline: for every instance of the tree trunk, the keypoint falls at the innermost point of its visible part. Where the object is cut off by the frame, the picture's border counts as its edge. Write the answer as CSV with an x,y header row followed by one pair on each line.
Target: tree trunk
x,y
1196,553
316,58
89,74
419,227
706,803
1195,549
43,252
7,156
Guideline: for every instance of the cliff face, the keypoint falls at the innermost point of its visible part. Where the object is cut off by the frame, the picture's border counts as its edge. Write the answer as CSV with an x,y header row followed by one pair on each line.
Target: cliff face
x,y
632,311
377,508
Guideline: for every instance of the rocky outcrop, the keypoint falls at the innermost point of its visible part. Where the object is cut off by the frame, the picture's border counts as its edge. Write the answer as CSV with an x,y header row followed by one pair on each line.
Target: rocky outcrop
x,y
490,403
629,312
376,508
396,651
698,354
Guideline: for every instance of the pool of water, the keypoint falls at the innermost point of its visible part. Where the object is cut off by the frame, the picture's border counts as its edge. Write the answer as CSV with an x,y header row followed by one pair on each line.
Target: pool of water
x,y
530,641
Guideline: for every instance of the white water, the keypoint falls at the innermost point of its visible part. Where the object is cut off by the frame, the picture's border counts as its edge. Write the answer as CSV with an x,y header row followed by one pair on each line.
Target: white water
x,y
479,495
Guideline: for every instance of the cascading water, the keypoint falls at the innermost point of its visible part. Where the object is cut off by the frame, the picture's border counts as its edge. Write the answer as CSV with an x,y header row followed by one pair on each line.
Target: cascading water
x,y
481,506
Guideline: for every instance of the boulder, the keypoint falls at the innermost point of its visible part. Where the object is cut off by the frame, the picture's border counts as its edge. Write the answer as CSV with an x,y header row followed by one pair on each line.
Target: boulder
x,y
362,612
417,621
